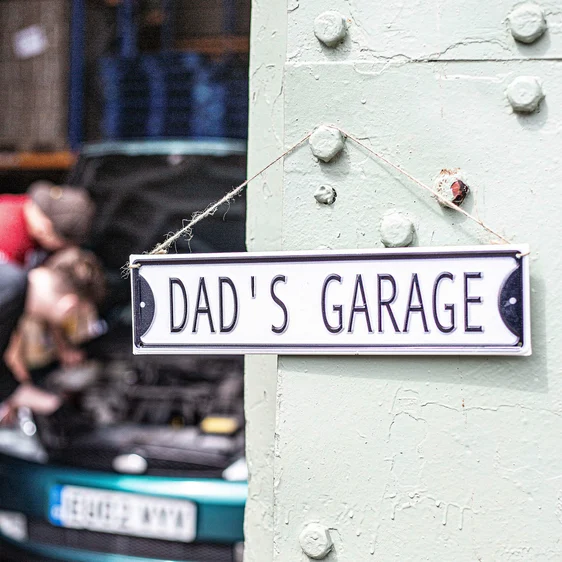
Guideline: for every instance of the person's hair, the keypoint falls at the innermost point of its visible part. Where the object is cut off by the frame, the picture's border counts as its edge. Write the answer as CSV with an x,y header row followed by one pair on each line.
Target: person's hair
x,y
78,272
70,209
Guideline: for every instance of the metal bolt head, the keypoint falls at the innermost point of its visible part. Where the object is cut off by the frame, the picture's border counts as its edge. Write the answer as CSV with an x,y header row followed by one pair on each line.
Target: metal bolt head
x,y
525,94
330,28
451,186
326,142
325,194
315,541
527,23
397,230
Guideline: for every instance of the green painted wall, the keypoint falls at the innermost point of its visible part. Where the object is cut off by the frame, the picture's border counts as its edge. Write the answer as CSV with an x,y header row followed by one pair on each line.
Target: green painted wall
x,y
408,458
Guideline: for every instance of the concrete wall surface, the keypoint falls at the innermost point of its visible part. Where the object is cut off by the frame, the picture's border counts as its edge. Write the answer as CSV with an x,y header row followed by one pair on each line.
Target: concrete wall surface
x,y
410,458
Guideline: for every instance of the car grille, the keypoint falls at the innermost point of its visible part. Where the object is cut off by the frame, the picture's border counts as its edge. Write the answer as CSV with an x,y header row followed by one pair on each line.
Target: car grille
x,y
42,532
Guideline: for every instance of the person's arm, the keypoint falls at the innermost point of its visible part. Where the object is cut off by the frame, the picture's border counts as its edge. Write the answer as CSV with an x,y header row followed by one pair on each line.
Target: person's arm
x,y
14,359
67,353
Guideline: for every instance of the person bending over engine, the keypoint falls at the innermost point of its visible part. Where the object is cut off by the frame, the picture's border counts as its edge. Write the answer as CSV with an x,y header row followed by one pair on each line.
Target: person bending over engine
x,y
50,293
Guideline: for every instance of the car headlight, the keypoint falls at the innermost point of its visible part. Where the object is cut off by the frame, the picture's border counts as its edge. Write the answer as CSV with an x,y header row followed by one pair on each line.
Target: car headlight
x,y
239,552
13,525
237,471
130,464
21,440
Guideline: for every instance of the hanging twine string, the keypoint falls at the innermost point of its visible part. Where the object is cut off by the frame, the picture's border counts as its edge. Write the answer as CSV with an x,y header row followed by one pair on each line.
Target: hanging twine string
x,y
435,193
212,208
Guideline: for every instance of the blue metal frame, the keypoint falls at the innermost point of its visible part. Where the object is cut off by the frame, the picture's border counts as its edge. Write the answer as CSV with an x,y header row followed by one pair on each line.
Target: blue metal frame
x,y
127,32
168,27
127,28
77,63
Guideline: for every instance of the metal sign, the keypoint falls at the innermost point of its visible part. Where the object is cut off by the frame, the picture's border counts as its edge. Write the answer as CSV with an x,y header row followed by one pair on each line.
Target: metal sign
x,y
456,301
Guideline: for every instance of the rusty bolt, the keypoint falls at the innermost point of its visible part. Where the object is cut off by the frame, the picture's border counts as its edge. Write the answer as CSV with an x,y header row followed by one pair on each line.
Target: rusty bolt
x,y
315,541
330,28
527,23
326,142
451,186
325,194
397,230
525,94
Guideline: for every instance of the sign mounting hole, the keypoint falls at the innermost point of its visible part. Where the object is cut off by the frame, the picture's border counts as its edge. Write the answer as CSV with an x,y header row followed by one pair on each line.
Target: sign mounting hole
x,y
142,304
512,300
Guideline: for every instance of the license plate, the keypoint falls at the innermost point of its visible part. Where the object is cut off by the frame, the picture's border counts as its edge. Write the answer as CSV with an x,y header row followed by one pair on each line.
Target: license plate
x,y
123,513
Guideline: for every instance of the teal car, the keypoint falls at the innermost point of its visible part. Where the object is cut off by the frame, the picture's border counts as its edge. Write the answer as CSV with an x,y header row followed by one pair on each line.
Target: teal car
x,y
146,461
199,520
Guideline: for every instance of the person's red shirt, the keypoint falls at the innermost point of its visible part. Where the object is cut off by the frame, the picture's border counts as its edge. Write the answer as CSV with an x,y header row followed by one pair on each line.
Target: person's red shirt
x,y
15,242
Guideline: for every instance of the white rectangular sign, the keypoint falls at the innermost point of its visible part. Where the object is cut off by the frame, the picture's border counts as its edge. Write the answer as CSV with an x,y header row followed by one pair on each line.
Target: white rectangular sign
x,y
450,300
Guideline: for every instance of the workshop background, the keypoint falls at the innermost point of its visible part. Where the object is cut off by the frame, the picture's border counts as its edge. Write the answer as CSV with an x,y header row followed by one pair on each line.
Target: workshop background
x,y
91,70
144,103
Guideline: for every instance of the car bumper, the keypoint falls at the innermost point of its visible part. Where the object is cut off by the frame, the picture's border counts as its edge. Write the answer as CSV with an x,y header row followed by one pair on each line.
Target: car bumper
x,y
25,487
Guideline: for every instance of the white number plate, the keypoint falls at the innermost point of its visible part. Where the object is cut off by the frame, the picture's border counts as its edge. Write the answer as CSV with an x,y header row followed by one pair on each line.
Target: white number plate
x,y
123,513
